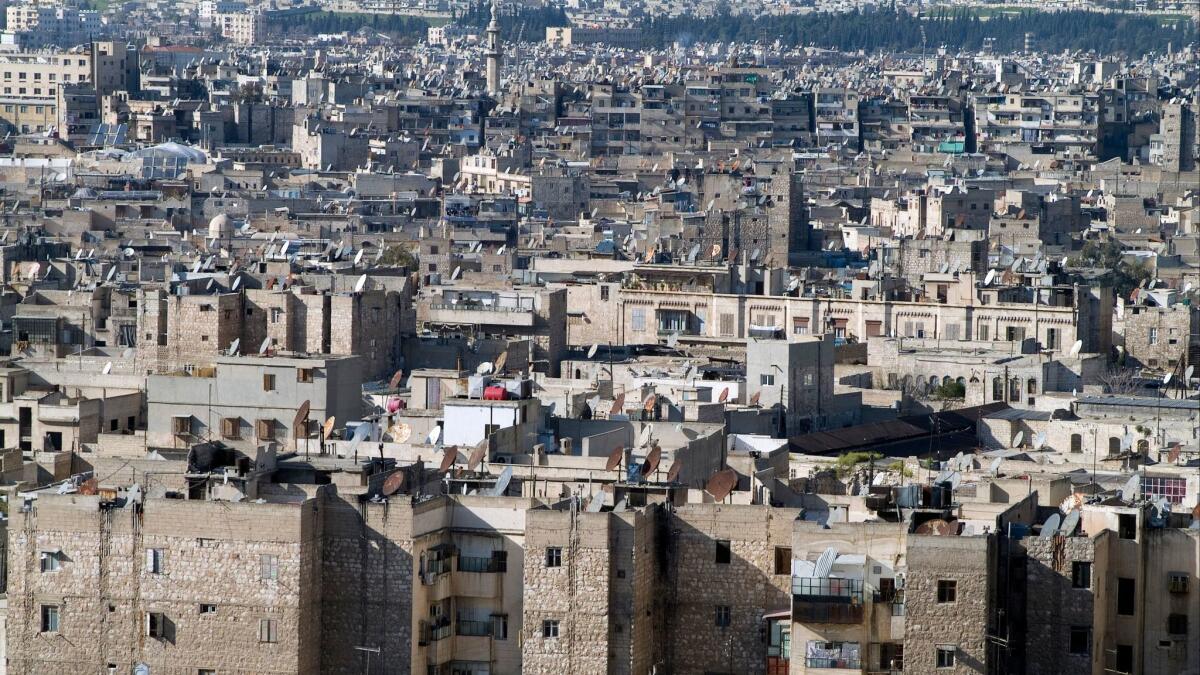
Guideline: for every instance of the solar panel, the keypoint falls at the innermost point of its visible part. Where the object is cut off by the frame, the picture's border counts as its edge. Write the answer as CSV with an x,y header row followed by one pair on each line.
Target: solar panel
x,y
107,135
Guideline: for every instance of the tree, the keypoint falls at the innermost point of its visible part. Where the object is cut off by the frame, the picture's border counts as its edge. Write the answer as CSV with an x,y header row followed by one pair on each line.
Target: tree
x,y
399,255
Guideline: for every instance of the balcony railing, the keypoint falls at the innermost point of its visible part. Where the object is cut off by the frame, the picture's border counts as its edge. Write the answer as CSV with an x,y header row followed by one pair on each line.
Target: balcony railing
x,y
852,664
472,628
827,600
481,564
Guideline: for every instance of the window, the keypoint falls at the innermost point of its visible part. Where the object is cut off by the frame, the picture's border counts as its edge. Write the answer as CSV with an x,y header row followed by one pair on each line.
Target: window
x,y
554,556
800,325
550,629
1081,574
724,616
1126,593
723,553
947,591
269,567
208,609
727,325
268,382
304,374
264,430
604,293
945,656
156,624
154,560
231,428
1177,582
267,631
766,380
783,560
49,618
50,561
1080,643
181,424
1127,525
1076,443
638,319
1177,624
1153,336
1125,658
1171,488
500,626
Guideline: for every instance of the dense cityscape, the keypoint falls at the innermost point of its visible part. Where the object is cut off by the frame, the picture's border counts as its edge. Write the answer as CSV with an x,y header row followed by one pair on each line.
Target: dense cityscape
x,y
453,337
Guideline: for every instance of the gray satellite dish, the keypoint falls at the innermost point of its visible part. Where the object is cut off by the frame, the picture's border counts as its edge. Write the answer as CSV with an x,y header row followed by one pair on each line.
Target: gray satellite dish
x,y
1050,527
502,482
1016,443
644,436
597,502
128,353
825,563
1127,441
1039,440
360,434
233,346
1069,524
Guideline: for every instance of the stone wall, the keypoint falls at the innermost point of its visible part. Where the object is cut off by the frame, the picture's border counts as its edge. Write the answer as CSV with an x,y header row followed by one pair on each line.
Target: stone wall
x,y
1053,606
962,623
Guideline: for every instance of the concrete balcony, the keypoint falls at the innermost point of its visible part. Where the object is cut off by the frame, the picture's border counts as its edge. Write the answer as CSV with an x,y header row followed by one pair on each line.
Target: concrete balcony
x,y
826,600
479,314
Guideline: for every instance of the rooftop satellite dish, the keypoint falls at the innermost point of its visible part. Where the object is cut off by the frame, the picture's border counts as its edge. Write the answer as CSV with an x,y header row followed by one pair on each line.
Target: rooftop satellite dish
x,y
1018,438
1076,347
501,361
673,472
1167,378
598,501
1050,527
721,484
477,455
360,434
358,257
991,276
435,435
112,272
502,483
1129,491
724,395
484,368
299,428
393,484
644,435
994,467
1039,440
825,563
233,346
328,428
591,353
755,398
237,281
456,274
1187,373
652,461
107,368
1069,524
401,433
262,348
618,405
360,284
614,459
448,456
128,353
1127,441
395,381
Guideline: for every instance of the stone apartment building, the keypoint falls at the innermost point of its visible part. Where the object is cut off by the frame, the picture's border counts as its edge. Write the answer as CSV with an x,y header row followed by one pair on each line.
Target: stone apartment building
x,y
1159,337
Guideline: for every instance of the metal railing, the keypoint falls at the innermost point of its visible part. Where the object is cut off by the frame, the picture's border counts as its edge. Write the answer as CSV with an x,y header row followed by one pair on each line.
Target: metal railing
x,y
481,564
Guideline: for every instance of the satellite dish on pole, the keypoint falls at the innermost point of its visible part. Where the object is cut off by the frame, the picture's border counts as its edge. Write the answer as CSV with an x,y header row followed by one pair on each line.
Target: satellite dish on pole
x,y
991,276
107,368
721,484
360,284
591,353
262,348
1050,527
1020,436
502,482
233,346
1187,374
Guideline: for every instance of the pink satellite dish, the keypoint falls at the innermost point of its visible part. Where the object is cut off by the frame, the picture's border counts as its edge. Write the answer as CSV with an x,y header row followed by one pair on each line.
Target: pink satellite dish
x,y
393,404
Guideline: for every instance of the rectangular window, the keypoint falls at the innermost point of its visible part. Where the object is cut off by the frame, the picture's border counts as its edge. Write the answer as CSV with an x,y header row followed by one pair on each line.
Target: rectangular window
x,y
264,430
1153,336
1177,582
49,561
724,616
1081,574
267,631
154,560
783,560
49,618
1126,593
800,325
726,325
604,293
553,556
724,553
500,626
156,624
638,319
1177,624
947,590
208,609
304,374
181,424
766,380
1081,641
550,629
946,655
1126,522
231,428
268,382
269,567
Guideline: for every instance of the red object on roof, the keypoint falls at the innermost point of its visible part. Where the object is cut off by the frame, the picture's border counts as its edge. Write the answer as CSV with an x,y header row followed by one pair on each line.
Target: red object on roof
x,y
495,393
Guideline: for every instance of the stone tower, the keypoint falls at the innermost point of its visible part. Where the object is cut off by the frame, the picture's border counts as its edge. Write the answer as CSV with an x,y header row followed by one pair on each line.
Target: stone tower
x,y
493,52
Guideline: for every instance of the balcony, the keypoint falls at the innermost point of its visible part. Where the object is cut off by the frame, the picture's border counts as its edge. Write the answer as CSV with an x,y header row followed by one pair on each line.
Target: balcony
x,y
827,600
472,314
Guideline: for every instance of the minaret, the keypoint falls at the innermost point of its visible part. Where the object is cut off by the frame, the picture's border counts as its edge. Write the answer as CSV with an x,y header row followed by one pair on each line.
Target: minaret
x,y
493,53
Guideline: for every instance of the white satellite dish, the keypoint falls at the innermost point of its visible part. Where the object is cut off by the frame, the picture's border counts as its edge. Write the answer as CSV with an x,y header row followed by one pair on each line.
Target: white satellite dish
x,y
1167,378
434,436
358,257
991,276
360,434
1039,440
592,351
107,368
237,281
502,482
1076,347
484,368
266,344
360,284
233,346
1187,374
456,273
644,437
1016,443
128,353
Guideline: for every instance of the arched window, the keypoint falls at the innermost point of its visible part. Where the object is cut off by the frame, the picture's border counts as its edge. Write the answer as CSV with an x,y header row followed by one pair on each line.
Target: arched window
x,y
1031,385
1143,447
